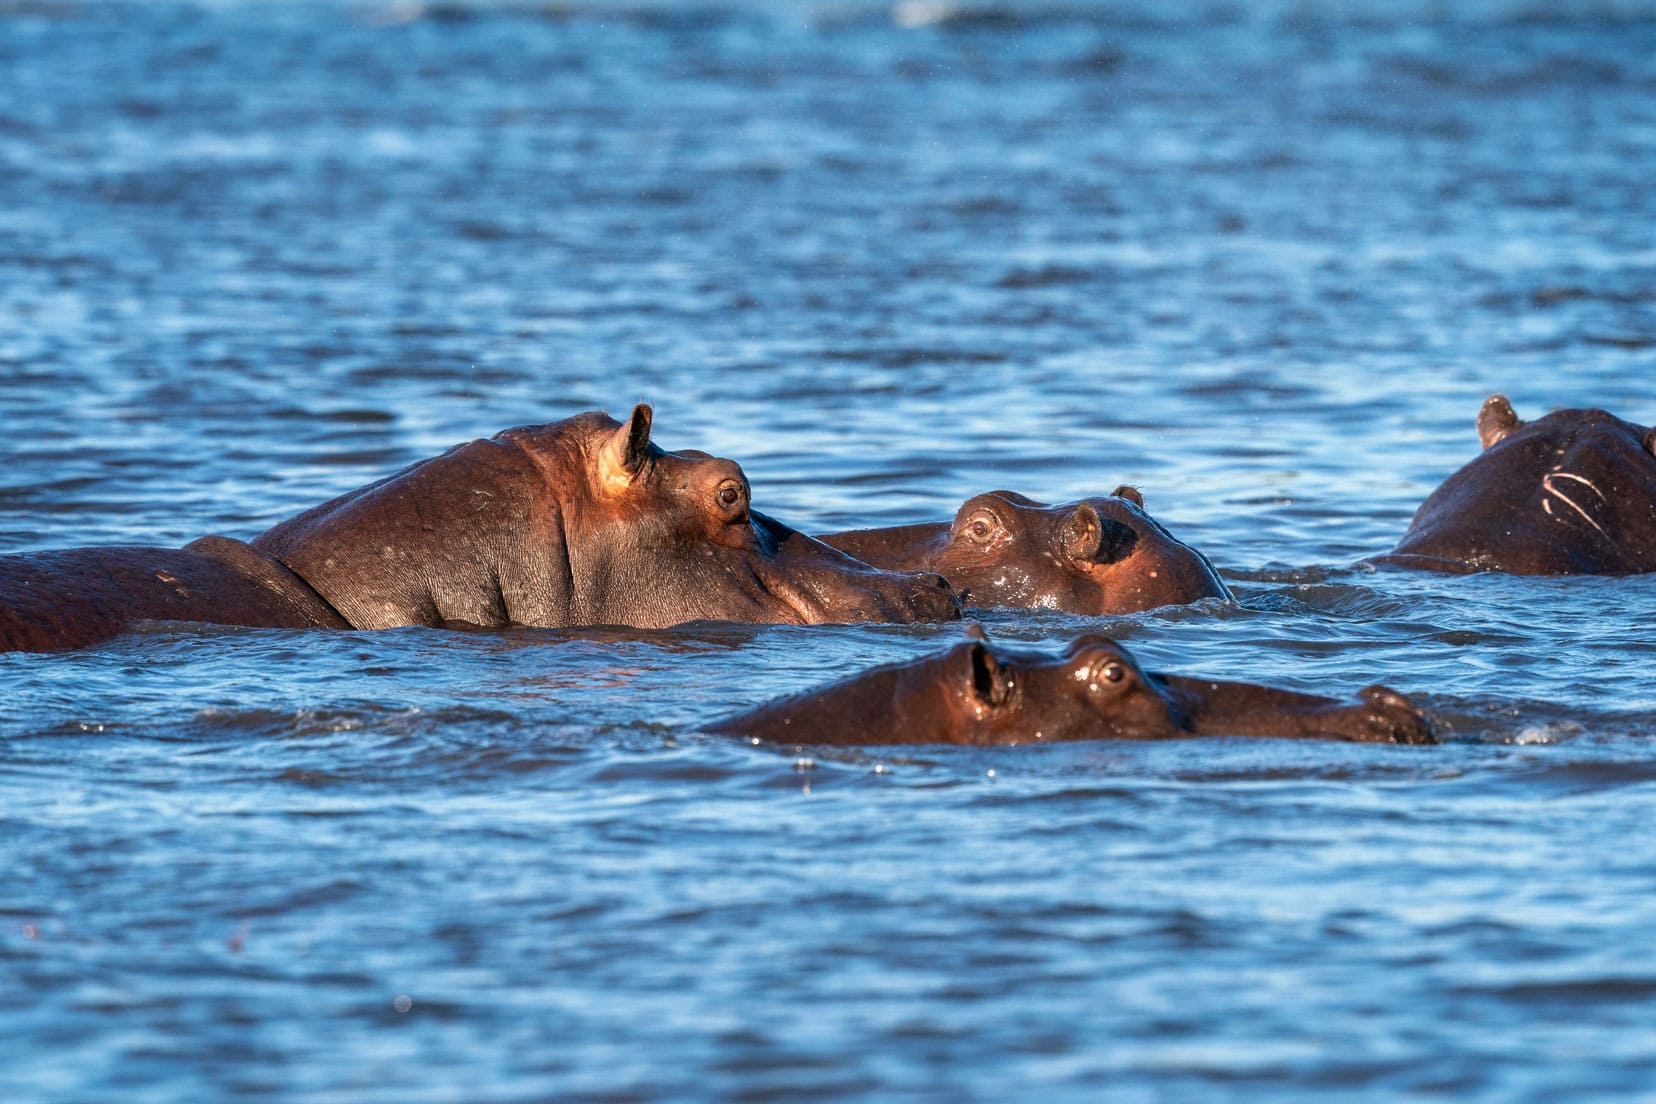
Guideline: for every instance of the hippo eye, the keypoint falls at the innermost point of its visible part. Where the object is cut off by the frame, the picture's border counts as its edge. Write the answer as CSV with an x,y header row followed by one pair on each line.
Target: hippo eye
x,y
1112,672
980,529
730,493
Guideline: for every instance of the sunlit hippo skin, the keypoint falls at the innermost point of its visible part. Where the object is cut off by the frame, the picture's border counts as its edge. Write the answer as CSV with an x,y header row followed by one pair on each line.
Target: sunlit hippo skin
x,y
1573,493
981,694
575,523
1093,556
580,522
77,597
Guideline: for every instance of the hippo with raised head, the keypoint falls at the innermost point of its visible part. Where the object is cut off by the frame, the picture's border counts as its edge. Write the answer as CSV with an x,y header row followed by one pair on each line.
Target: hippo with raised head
x,y
1573,493
982,694
579,522
1093,556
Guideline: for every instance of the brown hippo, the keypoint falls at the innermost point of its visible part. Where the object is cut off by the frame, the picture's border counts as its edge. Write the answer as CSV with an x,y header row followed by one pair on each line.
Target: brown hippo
x,y
579,522
51,601
982,694
1094,556
1573,493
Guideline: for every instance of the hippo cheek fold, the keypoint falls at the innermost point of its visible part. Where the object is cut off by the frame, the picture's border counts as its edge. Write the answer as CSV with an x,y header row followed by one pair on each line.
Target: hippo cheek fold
x,y
805,607
827,595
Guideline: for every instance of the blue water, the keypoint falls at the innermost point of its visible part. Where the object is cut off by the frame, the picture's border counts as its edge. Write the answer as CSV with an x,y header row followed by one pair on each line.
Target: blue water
x,y
1263,261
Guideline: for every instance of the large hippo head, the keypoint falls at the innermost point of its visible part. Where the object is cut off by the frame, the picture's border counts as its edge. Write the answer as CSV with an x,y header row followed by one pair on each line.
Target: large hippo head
x,y
1093,556
1573,493
980,693
580,522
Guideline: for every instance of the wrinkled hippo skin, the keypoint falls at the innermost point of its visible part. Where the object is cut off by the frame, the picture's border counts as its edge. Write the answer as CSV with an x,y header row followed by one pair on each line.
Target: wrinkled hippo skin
x,y
73,598
1093,556
1573,493
979,693
578,522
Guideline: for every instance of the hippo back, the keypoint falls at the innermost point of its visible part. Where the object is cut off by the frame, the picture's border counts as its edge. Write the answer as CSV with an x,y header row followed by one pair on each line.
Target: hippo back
x,y
73,598
473,536
1572,493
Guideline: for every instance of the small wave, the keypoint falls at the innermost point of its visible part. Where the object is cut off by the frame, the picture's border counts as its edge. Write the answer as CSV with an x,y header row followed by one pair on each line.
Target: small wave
x,y
1045,276
1620,990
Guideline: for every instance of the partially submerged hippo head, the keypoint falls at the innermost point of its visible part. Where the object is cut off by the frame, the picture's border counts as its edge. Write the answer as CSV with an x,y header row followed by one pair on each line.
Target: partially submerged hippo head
x,y
1573,493
980,693
1093,556
580,522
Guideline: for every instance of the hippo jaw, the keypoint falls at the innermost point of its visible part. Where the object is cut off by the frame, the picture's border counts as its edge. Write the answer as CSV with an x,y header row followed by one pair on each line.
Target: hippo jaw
x,y
1217,708
826,585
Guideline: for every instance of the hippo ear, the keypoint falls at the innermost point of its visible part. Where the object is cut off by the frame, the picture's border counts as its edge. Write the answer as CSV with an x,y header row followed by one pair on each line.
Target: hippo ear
x,y
1131,494
989,682
1496,420
623,454
1083,534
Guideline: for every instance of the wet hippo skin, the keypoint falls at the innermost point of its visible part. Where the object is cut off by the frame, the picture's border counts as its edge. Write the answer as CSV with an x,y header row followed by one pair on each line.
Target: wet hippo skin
x,y
980,693
72,598
1093,556
578,522
1572,493
581,522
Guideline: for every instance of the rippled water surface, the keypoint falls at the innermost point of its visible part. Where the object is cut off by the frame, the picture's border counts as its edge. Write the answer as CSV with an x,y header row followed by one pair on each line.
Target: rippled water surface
x,y
1263,261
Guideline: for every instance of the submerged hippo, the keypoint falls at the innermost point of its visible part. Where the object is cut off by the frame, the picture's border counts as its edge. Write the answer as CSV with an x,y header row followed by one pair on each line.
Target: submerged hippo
x,y
982,694
1094,556
70,598
1573,493
579,522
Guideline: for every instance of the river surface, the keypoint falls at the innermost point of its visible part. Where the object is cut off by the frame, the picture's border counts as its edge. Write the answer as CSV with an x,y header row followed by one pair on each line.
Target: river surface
x,y
1263,261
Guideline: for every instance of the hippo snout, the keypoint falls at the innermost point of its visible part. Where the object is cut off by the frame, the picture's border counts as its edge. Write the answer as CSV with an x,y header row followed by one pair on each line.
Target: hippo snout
x,y
932,592
1389,717
920,596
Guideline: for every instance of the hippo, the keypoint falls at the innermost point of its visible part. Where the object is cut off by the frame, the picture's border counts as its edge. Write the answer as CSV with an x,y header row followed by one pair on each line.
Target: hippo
x,y
1093,556
1573,493
979,694
75,597
579,522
